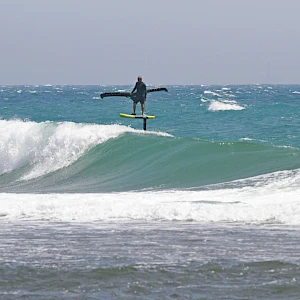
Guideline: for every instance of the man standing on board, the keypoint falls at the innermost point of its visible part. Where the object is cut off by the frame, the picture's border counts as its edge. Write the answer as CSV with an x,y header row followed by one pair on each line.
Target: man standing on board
x,y
140,96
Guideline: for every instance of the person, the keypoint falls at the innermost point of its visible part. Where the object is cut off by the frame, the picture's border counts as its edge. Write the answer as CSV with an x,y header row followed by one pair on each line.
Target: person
x,y
140,95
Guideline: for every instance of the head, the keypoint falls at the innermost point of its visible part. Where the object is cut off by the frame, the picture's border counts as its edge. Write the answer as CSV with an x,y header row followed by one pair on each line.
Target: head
x,y
140,78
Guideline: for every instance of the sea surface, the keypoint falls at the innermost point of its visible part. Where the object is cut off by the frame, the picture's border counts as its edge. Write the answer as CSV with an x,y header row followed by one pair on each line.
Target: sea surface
x,y
204,204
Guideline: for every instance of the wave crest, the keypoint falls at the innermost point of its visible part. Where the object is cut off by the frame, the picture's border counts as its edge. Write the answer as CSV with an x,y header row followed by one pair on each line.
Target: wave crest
x,y
225,105
48,146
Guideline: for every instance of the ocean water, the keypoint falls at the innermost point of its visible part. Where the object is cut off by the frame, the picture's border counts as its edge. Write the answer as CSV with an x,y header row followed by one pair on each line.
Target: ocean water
x,y
204,204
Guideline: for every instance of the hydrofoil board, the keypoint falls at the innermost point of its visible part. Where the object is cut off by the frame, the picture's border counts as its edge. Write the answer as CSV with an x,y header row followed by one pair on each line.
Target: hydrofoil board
x,y
137,116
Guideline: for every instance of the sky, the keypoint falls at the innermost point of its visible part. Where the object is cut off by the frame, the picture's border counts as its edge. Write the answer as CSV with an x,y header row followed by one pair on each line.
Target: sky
x,y
111,42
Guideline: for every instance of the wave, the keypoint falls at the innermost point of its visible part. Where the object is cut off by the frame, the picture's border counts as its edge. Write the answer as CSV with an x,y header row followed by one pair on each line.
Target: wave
x,y
221,105
47,146
218,102
225,105
259,205
50,157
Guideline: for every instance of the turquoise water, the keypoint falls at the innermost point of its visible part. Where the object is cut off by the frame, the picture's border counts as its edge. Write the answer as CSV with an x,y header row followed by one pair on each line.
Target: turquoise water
x,y
101,208
67,139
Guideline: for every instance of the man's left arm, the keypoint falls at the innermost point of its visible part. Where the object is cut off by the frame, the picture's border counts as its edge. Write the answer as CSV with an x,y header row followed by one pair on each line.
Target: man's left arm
x,y
145,92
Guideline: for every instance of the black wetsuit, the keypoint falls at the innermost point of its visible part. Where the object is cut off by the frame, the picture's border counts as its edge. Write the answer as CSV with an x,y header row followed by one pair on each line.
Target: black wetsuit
x,y
141,92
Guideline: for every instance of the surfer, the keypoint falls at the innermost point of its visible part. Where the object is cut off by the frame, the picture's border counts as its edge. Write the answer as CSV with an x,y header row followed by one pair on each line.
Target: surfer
x,y
140,95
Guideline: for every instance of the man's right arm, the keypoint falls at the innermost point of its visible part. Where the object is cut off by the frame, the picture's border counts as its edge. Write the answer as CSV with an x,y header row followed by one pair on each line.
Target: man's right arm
x,y
134,89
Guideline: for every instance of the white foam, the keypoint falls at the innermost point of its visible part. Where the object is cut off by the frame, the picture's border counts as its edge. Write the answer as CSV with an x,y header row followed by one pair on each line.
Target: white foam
x,y
248,205
221,106
212,93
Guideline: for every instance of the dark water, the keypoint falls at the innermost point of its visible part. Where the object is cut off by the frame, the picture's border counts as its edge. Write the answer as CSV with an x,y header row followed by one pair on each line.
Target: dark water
x,y
141,260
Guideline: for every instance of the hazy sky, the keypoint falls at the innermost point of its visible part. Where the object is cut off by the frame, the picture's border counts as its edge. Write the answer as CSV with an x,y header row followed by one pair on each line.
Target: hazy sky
x,y
165,41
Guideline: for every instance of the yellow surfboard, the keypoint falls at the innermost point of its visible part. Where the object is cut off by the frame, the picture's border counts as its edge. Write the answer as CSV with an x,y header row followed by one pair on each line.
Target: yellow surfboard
x,y
137,116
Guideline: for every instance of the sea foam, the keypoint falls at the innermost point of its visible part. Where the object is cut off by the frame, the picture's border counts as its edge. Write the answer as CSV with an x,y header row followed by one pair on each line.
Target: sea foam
x,y
247,205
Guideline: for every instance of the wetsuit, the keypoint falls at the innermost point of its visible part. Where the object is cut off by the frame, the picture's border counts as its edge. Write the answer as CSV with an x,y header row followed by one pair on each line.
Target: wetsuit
x,y
141,92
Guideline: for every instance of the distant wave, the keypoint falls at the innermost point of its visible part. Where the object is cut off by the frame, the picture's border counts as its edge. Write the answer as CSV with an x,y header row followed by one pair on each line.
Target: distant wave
x,y
219,106
218,101
212,93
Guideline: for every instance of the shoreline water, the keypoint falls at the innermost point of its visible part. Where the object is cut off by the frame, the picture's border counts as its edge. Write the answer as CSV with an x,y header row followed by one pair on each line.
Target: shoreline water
x,y
152,260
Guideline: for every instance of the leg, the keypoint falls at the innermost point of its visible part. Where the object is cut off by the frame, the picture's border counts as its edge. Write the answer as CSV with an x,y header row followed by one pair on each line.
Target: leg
x,y
134,107
143,108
